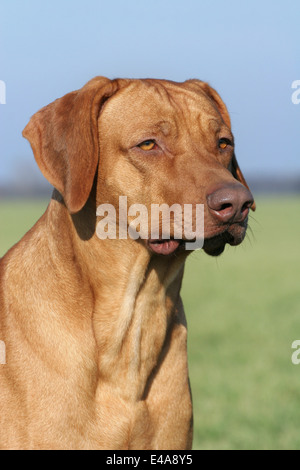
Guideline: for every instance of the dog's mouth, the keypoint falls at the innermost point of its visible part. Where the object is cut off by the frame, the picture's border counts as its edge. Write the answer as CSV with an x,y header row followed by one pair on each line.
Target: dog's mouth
x,y
165,246
214,245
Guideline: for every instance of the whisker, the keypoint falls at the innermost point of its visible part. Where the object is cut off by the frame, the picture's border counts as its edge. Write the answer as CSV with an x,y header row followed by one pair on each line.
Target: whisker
x,y
248,238
252,235
255,220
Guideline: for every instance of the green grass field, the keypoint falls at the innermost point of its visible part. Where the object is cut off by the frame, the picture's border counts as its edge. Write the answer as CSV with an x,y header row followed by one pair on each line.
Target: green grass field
x,y
243,312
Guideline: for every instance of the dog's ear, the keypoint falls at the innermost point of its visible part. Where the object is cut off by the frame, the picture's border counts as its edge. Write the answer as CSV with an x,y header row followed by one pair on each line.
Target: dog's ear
x,y
64,140
220,105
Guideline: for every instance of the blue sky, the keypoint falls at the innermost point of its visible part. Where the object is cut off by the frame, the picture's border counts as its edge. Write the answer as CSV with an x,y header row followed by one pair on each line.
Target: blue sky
x,y
248,51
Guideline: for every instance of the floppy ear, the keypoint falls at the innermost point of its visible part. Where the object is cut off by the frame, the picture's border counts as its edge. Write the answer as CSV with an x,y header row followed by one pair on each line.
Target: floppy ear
x,y
64,140
220,105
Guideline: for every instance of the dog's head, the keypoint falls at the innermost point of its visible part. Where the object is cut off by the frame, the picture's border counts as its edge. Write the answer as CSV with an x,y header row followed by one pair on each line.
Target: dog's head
x,y
154,141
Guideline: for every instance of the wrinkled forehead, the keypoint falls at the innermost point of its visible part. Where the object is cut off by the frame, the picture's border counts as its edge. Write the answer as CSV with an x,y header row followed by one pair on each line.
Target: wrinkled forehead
x,y
147,104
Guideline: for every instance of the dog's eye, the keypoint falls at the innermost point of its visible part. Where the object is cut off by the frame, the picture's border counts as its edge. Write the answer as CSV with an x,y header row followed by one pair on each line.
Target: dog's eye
x,y
224,143
147,145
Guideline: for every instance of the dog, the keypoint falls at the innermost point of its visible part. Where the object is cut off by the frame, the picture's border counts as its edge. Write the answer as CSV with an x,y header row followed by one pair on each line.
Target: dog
x,y
94,329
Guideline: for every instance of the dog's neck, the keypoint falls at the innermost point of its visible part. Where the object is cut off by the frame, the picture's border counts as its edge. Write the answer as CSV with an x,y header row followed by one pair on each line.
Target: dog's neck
x,y
134,298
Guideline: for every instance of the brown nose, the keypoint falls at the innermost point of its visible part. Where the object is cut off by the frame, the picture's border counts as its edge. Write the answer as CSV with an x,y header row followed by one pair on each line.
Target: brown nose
x,y
230,203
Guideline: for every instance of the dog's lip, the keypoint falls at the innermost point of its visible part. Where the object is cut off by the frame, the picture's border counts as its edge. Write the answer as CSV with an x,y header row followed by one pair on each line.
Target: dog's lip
x,y
163,246
214,244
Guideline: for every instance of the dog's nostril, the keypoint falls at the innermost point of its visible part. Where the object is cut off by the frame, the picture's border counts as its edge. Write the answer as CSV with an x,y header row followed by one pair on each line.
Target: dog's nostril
x,y
225,211
249,204
246,206
225,206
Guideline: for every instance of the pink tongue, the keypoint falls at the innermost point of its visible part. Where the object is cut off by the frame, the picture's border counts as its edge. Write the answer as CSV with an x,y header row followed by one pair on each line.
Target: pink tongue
x,y
164,247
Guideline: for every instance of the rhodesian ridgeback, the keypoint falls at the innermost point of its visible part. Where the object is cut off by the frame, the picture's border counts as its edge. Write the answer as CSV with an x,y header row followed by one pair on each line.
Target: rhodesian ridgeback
x,y
94,329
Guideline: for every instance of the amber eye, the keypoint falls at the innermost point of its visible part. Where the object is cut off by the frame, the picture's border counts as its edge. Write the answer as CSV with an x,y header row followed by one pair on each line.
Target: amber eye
x,y
223,143
147,145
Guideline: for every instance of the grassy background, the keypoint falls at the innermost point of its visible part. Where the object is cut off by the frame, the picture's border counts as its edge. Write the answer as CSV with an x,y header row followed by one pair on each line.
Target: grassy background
x,y
243,312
